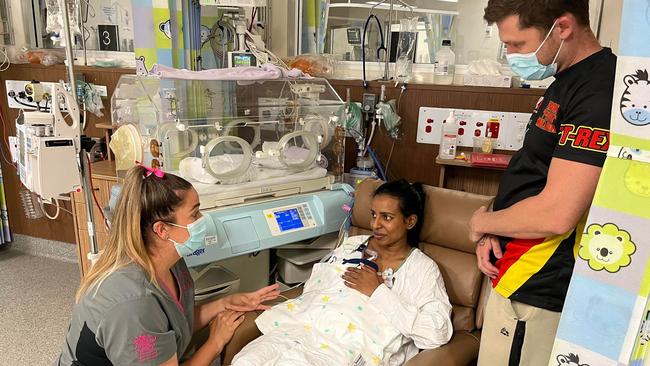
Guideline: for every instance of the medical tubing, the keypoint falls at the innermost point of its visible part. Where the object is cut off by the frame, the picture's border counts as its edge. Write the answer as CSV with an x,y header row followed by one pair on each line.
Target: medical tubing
x,y
372,134
24,104
363,45
58,209
92,190
374,158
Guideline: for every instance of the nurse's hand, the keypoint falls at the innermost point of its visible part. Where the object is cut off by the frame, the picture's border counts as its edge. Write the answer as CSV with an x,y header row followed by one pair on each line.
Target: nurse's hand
x,y
364,279
251,301
485,245
223,326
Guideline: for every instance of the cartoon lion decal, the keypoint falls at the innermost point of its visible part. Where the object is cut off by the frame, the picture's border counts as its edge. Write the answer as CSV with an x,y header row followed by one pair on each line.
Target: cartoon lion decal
x,y
637,179
606,247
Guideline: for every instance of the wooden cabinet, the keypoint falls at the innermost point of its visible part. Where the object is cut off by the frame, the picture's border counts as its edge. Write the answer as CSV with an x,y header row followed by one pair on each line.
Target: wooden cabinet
x,y
103,179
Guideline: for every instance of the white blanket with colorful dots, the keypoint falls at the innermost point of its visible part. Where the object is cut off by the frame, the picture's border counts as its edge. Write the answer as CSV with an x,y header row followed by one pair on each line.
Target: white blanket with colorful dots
x,y
331,324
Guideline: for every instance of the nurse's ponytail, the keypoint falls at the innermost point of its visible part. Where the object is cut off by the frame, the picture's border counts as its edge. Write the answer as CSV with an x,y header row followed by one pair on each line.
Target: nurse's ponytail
x,y
144,199
412,200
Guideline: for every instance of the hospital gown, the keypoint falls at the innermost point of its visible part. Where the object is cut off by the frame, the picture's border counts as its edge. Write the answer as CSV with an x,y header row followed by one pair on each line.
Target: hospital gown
x,y
331,324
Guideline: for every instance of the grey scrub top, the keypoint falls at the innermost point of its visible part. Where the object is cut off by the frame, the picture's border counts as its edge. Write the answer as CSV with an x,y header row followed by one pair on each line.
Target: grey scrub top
x,y
130,322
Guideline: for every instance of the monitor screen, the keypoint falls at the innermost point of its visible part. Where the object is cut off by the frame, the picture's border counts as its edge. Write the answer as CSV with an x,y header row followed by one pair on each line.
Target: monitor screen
x,y
243,60
288,219
354,36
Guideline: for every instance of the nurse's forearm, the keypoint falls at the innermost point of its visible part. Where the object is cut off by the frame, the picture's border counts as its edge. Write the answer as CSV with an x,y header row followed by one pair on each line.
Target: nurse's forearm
x,y
205,355
204,313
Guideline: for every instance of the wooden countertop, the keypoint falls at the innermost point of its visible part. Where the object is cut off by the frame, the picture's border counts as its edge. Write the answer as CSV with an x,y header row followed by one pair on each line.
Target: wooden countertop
x,y
451,88
103,169
463,163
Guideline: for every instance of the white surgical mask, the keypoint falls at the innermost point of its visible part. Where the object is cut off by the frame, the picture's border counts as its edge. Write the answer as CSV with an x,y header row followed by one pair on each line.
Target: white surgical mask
x,y
527,65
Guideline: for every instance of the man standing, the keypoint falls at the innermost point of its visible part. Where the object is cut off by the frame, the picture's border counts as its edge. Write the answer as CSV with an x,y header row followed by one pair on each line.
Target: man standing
x,y
526,243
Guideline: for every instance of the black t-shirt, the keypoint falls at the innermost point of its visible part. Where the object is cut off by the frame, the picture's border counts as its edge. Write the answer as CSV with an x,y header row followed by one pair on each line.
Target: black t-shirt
x,y
571,122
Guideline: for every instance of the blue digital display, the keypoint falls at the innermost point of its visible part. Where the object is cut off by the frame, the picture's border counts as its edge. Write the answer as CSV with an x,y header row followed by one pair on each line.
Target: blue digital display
x,y
288,220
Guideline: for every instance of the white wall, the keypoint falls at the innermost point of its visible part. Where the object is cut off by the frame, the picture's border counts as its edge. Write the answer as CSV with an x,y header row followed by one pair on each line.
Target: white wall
x,y
472,40
21,35
610,27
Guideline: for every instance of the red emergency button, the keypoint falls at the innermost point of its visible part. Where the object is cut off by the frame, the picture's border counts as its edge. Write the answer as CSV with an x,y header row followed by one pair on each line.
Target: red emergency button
x,y
477,133
428,129
461,131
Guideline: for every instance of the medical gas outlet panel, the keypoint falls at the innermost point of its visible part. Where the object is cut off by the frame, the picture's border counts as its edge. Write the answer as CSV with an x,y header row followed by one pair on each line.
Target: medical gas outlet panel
x,y
507,129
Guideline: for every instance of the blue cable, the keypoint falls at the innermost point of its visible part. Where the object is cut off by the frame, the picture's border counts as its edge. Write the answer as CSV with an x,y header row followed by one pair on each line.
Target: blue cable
x,y
374,158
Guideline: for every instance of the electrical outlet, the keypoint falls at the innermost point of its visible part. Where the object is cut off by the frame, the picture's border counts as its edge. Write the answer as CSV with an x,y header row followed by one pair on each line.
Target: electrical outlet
x,y
509,128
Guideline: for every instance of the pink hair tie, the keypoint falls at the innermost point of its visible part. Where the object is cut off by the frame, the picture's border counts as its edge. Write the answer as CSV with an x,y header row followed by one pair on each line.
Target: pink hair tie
x,y
155,171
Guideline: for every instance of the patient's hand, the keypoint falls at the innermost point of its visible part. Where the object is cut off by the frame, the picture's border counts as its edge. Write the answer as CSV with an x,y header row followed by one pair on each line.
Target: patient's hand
x,y
364,279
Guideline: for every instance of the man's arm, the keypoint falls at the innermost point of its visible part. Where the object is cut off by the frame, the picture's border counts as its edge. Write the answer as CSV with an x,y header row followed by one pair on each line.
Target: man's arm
x,y
568,193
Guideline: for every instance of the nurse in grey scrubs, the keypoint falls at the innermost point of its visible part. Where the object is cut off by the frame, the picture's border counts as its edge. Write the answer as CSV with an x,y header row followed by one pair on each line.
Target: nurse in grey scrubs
x,y
136,304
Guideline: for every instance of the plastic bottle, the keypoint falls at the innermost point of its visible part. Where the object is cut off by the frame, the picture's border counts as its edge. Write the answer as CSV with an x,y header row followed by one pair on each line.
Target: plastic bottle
x,y
444,64
449,137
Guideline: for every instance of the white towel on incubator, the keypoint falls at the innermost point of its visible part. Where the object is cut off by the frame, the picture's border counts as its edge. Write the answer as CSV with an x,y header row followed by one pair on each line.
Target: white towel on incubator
x,y
191,168
331,324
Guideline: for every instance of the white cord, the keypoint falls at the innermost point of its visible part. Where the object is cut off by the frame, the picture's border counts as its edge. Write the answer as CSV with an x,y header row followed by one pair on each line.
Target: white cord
x,y
58,209
372,133
6,63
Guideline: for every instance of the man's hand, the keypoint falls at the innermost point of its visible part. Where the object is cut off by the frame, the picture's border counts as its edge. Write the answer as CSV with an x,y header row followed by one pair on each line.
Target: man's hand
x,y
252,300
484,247
364,279
475,235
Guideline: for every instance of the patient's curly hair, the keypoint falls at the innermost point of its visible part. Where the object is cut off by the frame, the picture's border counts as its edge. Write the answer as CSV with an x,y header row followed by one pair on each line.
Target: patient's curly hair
x,y
411,202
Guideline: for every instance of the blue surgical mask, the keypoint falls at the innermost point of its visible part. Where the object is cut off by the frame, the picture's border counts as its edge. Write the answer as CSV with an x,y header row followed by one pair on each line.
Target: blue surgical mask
x,y
198,230
527,65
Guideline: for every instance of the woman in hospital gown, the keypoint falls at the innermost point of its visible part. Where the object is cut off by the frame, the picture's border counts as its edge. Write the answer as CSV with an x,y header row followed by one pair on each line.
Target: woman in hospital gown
x,y
353,314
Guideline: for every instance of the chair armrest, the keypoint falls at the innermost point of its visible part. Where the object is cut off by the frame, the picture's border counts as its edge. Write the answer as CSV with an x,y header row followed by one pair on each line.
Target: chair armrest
x,y
462,350
248,331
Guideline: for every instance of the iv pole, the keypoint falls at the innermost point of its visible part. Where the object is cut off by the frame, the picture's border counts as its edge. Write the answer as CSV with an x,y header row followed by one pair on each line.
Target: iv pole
x,y
82,158
388,34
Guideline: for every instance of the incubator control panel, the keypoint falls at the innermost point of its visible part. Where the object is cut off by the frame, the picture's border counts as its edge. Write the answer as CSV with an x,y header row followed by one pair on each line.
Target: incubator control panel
x,y
282,220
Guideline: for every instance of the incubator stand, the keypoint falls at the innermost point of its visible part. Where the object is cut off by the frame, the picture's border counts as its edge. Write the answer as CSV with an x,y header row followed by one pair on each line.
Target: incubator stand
x,y
266,157
233,140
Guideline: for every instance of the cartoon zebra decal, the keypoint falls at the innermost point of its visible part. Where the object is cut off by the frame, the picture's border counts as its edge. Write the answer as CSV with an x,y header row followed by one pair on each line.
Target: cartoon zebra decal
x,y
635,103
569,360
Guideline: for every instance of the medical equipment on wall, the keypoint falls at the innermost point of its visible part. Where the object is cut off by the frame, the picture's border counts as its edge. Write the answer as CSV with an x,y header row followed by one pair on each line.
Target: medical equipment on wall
x,y
381,47
47,146
386,47
56,22
235,40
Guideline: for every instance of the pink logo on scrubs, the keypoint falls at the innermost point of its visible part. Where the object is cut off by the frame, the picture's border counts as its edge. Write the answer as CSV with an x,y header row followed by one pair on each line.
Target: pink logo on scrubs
x,y
145,347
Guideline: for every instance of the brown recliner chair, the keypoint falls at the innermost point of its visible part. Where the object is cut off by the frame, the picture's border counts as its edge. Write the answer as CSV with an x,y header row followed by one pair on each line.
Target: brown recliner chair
x,y
444,238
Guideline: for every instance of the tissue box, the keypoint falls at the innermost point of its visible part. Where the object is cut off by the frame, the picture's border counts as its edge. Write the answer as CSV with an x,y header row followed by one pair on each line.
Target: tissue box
x,y
497,81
